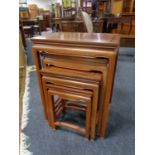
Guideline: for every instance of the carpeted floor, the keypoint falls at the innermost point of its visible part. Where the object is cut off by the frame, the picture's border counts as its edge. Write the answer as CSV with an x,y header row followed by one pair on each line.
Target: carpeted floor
x,y
120,133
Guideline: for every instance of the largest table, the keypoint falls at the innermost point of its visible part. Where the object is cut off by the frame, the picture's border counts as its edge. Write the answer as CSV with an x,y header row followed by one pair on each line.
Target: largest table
x,y
91,47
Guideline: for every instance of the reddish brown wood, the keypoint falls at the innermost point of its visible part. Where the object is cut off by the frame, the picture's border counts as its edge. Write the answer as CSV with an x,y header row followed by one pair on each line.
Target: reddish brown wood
x,y
88,40
85,46
84,64
73,96
79,85
72,126
50,109
37,63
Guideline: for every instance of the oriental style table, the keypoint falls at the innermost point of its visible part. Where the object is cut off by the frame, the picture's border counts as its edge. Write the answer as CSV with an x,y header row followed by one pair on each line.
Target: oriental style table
x,y
85,52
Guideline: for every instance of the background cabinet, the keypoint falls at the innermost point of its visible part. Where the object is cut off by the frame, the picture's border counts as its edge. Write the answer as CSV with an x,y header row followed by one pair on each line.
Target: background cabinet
x,y
122,6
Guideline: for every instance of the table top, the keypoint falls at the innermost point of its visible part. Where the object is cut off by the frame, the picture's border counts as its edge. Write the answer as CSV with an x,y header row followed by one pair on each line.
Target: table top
x,y
79,38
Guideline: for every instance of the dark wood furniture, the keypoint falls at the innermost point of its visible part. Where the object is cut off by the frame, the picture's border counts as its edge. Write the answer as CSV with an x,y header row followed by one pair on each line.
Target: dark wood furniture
x,y
30,26
109,21
22,33
76,25
103,6
128,6
27,27
85,52
127,41
105,24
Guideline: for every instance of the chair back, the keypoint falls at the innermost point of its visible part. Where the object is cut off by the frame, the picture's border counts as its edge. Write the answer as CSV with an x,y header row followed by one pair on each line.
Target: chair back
x,y
87,21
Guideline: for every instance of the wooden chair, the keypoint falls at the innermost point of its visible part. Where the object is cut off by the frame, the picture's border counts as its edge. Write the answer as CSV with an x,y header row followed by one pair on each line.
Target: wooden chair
x,y
36,27
31,26
27,27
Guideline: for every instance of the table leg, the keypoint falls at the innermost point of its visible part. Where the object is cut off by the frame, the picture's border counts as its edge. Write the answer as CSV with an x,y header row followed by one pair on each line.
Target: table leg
x,y
107,98
38,67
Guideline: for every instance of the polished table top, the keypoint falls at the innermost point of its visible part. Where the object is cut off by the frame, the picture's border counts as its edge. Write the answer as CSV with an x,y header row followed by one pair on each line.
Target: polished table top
x,y
79,38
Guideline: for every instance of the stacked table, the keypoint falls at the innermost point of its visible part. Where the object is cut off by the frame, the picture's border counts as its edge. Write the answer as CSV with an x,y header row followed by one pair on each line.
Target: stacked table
x,y
79,69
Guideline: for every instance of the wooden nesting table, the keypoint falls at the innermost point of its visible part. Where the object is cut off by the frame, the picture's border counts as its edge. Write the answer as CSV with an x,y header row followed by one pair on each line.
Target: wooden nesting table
x,y
95,52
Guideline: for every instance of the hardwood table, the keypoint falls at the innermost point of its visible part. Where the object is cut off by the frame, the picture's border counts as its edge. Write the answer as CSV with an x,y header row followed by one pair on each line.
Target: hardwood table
x,y
89,48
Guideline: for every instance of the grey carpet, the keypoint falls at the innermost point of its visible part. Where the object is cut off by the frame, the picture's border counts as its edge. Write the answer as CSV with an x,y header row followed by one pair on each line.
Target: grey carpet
x,y
120,133
30,60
